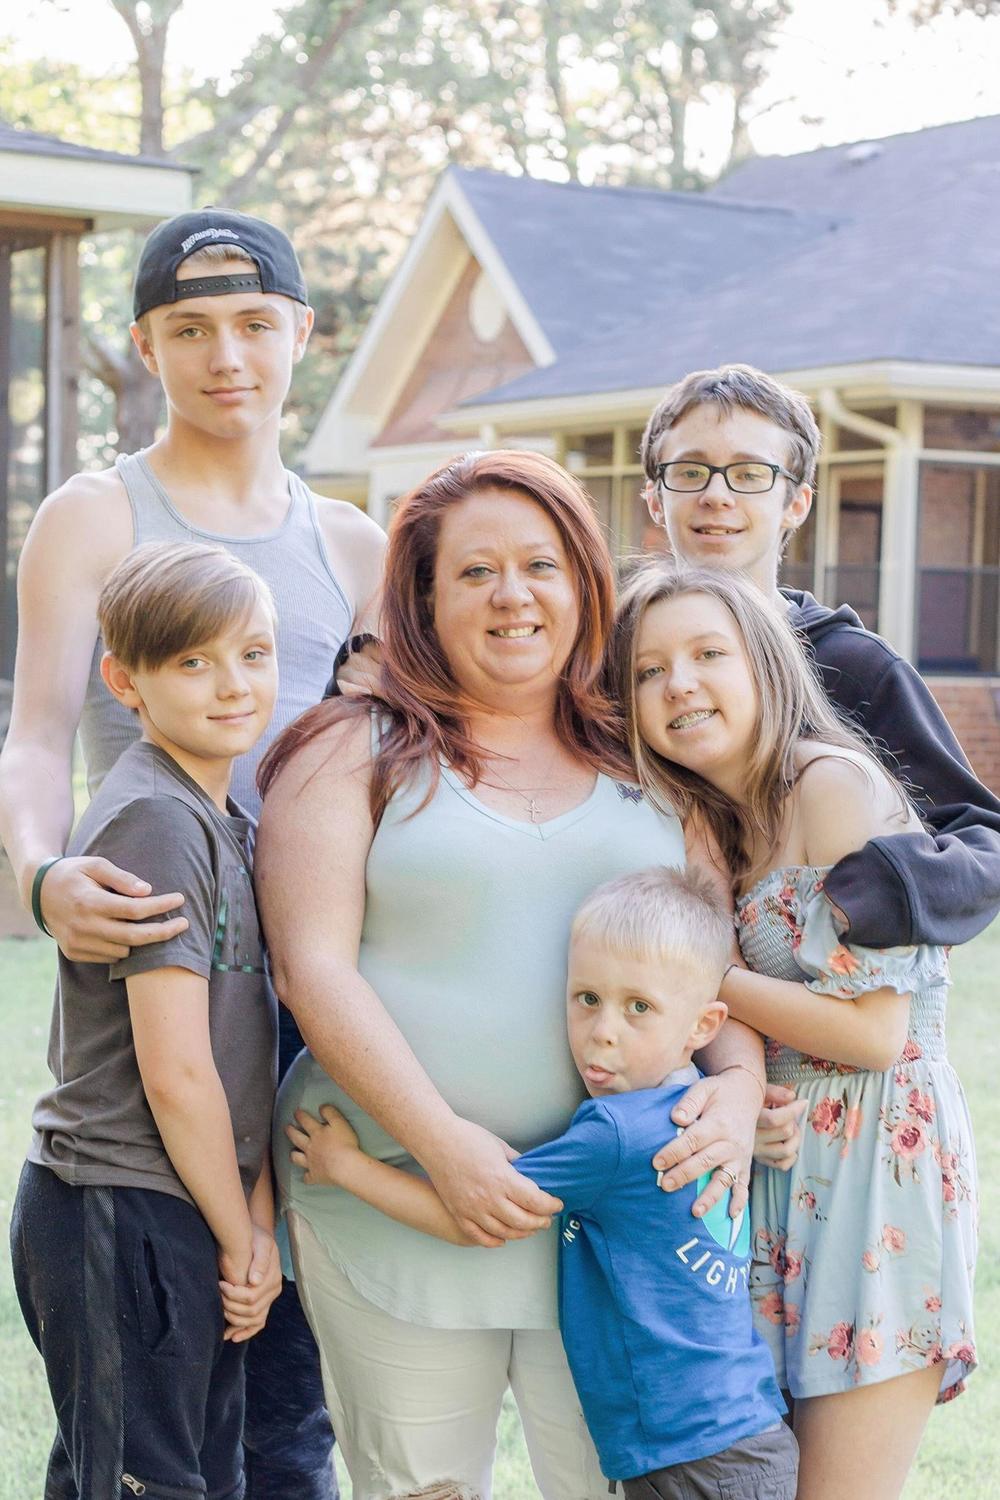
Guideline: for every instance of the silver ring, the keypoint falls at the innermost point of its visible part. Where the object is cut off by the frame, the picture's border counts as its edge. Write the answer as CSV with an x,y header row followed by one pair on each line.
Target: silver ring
x,y
725,1172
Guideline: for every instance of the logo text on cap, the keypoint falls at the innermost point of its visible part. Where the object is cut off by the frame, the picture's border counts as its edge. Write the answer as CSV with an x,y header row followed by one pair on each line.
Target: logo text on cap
x,y
208,234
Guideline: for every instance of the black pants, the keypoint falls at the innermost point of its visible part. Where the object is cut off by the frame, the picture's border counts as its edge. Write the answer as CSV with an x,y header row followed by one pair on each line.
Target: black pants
x,y
119,1288
287,1437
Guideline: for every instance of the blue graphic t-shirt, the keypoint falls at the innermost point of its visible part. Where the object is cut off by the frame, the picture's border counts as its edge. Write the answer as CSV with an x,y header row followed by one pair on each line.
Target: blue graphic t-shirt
x,y
653,1303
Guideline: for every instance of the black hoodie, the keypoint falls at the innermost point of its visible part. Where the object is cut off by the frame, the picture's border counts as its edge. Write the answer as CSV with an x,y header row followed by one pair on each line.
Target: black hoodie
x,y
936,887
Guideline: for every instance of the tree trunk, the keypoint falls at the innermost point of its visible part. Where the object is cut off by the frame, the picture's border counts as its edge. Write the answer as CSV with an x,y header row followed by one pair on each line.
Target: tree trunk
x,y
137,393
140,402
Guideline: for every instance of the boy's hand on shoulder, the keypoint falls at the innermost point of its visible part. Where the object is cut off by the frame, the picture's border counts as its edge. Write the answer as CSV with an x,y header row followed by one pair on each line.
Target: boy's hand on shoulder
x,y
98,912
246,1303
321,1146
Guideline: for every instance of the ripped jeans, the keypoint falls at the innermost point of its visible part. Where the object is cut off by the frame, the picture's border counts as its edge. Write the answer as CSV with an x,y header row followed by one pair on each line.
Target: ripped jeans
x,y
415,1409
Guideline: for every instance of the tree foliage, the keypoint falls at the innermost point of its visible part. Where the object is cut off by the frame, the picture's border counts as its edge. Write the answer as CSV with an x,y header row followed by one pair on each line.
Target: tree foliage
x,y
927,10
339,119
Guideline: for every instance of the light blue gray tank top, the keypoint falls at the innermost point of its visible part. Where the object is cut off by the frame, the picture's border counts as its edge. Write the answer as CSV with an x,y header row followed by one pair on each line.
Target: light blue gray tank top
x,y
314,618
466,928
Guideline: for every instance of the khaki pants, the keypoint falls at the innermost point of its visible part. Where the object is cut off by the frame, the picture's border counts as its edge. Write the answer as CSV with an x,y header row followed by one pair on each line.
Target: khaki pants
x,y
415,1409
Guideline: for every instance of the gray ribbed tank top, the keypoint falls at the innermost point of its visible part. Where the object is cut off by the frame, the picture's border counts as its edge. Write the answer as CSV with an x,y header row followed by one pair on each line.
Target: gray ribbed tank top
x,y
314,618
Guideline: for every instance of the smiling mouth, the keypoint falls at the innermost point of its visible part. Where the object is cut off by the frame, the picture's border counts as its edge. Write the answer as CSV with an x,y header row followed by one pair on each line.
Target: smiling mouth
x,y
515,632
687,721
719,530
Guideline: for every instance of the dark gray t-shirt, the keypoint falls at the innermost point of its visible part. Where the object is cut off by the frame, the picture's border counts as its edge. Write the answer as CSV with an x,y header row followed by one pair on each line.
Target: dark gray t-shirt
x,y
94,1127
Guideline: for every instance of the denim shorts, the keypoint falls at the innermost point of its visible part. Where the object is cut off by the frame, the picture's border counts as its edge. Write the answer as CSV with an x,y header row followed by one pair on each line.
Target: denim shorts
x,y
764,1467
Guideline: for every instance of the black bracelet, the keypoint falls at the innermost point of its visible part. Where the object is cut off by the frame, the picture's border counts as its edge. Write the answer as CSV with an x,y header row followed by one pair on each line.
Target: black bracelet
x,y
36,891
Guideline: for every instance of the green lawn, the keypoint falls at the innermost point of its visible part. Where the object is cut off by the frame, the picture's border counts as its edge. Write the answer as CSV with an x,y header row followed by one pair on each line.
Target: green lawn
x,y
961,1453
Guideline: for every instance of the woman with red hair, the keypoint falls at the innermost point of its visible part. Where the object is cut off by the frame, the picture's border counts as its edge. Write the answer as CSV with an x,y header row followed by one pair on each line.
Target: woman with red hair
x,y
419,860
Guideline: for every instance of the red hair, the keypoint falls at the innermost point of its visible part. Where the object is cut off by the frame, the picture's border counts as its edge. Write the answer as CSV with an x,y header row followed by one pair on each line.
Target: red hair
x,y
423,702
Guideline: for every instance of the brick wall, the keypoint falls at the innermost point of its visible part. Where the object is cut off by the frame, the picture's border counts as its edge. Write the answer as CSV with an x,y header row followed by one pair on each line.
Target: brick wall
x,y
454,364
972,707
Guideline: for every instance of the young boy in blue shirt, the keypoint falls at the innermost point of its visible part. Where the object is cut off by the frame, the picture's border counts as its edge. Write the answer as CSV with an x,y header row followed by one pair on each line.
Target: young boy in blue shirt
x,y
676,1387
142,1234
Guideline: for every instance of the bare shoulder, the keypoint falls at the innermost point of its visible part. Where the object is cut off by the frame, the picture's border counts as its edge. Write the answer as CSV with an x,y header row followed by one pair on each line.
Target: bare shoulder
x,y
339,757
356,549
843,799
87,522
347,526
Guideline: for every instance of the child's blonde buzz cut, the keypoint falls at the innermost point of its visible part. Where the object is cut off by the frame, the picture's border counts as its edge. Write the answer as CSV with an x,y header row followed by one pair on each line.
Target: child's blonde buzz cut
x,y
660,914
167,597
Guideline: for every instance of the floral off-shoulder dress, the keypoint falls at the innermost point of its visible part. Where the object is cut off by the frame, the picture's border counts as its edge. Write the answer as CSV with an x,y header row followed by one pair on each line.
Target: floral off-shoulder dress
x,y
863,1254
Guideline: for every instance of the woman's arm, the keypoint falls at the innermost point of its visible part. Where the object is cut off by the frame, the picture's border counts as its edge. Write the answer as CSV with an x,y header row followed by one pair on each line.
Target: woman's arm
x,y
312,849
842,803
868,1032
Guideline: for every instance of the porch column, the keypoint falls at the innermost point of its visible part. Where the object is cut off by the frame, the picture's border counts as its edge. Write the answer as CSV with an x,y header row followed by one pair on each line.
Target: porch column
x,y
62,358
6,609
900,519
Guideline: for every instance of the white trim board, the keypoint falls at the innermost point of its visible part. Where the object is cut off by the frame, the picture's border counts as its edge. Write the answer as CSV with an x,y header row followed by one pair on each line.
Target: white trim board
x,y
878,380
450,233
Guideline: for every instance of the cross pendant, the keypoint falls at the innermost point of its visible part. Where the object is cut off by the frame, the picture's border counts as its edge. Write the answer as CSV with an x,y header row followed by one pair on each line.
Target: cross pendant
x,y
533,810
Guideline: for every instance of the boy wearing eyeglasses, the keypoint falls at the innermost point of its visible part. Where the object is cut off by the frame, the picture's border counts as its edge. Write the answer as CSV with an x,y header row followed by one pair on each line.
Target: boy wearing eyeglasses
x,y
730,459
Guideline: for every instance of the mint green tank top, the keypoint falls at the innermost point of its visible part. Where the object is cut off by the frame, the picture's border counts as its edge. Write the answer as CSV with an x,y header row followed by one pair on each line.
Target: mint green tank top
x,y
465,940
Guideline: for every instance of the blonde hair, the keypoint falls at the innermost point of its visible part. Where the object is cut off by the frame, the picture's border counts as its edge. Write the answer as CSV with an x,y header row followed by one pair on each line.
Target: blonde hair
x,y
660,914
165,597
791,706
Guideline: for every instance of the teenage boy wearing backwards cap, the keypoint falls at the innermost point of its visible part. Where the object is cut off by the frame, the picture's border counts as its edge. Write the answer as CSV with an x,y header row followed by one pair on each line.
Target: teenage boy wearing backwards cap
x,y
221,318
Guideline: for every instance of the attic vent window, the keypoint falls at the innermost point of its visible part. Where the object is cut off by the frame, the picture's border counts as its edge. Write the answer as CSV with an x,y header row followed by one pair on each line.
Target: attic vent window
x,y
487,313
864,151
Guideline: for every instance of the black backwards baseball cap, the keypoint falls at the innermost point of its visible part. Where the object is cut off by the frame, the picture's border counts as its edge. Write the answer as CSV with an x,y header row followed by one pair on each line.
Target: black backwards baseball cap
x,y
171,242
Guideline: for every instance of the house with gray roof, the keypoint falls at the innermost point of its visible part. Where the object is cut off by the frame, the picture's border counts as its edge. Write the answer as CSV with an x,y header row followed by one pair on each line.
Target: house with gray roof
x,y
537,314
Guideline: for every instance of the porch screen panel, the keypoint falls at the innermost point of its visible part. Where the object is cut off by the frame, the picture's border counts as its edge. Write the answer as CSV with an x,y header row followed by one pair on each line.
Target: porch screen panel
x,y
958,610
24,466
856,578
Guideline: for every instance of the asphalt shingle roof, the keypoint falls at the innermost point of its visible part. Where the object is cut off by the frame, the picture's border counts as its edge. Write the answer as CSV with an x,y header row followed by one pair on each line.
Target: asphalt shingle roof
x,y
865,176
902,267
587,259
30,142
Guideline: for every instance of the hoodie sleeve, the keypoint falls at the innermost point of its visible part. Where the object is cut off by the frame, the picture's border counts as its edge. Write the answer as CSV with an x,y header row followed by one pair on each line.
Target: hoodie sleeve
x,y
941,886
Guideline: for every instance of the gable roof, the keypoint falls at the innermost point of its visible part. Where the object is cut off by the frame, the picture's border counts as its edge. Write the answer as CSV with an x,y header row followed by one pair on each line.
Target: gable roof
x,y
569,263
588,259
13,138
875,251
923,288
907,271
881,175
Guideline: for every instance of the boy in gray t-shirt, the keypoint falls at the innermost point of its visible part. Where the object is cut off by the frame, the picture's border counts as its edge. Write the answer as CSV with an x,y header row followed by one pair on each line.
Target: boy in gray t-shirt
x,y
143,1229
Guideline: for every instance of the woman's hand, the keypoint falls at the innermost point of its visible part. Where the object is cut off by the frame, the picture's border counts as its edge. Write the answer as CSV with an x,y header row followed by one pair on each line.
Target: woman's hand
x,y
779,1128
719,1114
320,1146
487,1198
